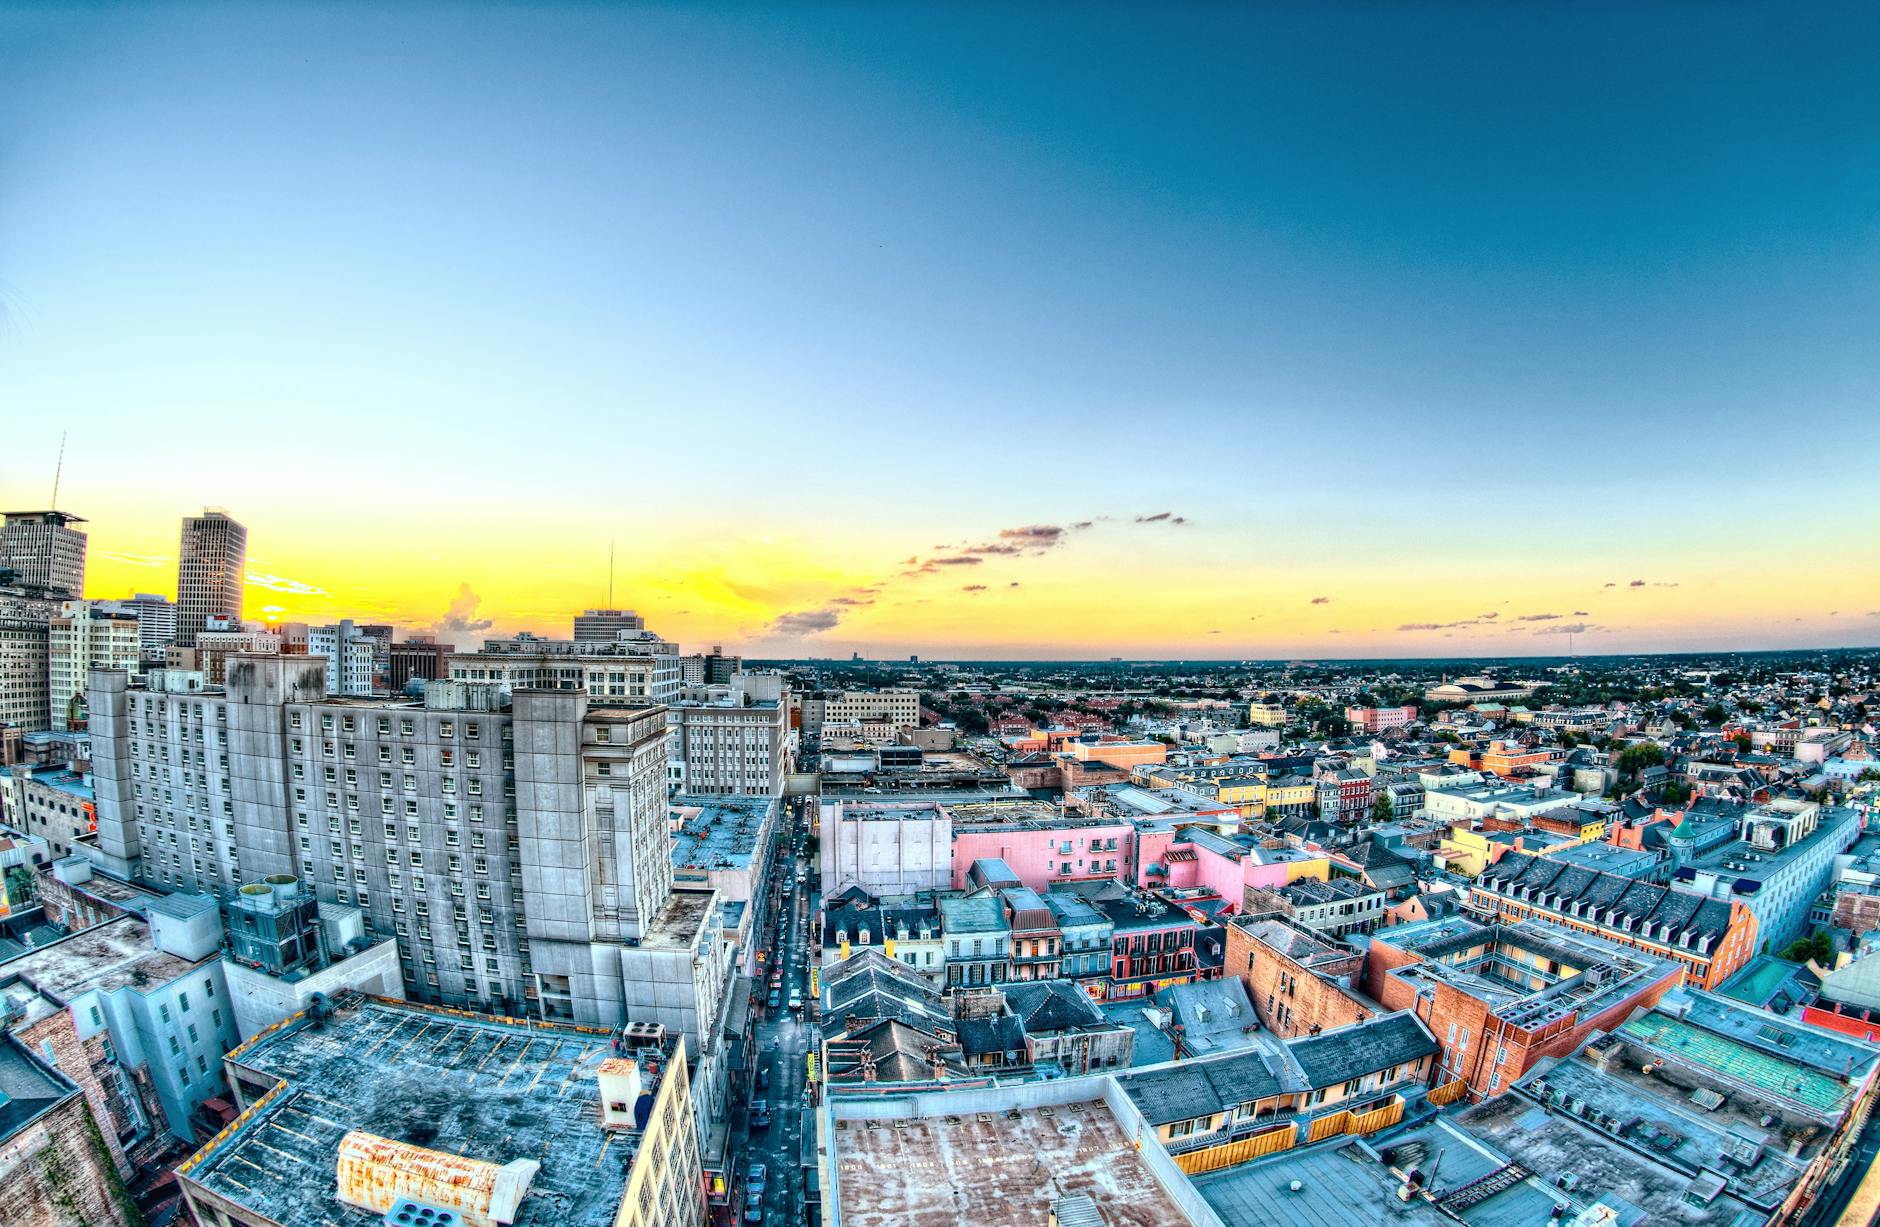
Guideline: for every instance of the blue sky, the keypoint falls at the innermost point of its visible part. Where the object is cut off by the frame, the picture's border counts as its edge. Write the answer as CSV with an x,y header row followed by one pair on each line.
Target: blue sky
x,y
1282,269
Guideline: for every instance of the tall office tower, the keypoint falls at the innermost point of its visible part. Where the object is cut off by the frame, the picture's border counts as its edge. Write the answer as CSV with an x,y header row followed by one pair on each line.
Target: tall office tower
x,y
211,565
25,618
156,622
43,550
85,636
605,625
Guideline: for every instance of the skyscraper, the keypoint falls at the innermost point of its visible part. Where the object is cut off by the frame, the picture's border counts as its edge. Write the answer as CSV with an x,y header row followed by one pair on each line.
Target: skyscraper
x,y
156,622
211,564
44,550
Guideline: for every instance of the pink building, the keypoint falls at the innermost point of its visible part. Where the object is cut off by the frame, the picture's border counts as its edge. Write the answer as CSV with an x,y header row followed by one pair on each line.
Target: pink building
x,y
1041,851
1377,719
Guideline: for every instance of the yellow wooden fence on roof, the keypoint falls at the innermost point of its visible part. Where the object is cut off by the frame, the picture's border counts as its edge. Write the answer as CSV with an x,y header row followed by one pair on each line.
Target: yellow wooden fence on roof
x,y
1227,1154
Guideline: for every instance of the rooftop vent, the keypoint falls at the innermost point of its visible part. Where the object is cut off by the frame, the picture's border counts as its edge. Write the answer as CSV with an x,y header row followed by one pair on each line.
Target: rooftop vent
x,y
406,1213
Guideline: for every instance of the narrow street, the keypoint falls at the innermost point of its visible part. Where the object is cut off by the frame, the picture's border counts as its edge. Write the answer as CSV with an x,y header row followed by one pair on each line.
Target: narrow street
x,y
784,1041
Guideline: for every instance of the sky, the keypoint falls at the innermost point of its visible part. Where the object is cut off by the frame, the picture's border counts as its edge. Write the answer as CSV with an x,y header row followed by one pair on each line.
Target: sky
x,y
978,331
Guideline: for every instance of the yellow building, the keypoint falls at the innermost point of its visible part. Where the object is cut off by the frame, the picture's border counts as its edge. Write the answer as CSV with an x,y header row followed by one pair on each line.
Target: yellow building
x,y
1266,715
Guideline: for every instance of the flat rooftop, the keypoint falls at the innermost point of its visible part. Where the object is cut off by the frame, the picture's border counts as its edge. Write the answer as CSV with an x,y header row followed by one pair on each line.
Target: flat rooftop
x,y
477,1087
1344,1184
717,832
1004,1167
107,957
677,924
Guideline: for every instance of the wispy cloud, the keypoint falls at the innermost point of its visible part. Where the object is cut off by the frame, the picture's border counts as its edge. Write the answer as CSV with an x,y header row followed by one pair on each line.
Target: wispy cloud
x,y
280,583
1567,628
1540,617
1321,600
974,588
135,560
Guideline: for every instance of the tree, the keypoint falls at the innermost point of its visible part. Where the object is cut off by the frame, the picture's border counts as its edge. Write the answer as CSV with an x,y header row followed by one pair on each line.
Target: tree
x,y
1817,946
1381,808
1714,714
1637,757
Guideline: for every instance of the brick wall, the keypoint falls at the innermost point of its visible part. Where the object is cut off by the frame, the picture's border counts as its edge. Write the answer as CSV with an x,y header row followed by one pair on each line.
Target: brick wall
x,y
1289,998
53,1174
83,1060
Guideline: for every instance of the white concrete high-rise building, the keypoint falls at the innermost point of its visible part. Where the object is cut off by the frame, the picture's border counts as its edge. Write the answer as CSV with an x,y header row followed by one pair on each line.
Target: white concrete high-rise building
x,y
43,550
212,563
351,656
642,667
85,636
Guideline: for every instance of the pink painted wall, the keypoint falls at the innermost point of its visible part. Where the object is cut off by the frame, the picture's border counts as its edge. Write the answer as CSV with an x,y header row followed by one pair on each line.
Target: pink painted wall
x,y
1036,856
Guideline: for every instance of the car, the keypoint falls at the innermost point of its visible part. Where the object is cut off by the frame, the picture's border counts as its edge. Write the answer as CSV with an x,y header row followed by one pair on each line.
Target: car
x,y
760,1114
796,998
754,1213
758,1177
763,1078
775,999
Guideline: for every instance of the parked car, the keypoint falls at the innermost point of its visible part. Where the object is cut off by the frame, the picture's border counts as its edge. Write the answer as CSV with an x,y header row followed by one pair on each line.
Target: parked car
x,y
758,1177
760,1114
775,998
796,999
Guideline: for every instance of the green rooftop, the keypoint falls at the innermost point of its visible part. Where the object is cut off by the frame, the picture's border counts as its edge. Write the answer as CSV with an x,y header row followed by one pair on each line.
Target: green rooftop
x,y
1749,1066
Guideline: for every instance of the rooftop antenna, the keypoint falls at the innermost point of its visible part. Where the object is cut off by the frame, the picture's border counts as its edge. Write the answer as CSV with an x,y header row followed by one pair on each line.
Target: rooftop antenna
x,y
58,471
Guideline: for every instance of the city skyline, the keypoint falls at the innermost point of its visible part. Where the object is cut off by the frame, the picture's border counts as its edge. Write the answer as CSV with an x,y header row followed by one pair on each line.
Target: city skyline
x,y
1334,357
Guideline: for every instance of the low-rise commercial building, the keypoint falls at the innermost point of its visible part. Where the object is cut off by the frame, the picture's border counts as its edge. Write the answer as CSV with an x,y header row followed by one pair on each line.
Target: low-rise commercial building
x,y
346,1116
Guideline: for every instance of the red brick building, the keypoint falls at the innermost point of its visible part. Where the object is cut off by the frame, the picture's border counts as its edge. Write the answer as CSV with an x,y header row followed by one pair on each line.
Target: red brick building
x,y
1499,998
1299,984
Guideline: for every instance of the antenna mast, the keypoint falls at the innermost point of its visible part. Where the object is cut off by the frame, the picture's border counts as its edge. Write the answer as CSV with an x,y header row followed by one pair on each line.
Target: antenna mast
x,y
58,471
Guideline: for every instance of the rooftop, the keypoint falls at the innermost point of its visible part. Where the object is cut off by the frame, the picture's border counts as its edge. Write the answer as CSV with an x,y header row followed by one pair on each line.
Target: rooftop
x,y
679,921
26,1088
483,1088
1006,1167
717,832
1343,1182
106,957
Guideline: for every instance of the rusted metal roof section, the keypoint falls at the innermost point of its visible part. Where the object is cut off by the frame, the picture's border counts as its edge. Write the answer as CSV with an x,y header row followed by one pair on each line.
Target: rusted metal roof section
x,y
376,1173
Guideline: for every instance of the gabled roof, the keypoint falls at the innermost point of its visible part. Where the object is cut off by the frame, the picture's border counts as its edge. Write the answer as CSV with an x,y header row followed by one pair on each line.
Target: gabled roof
x,y
1045,1006
1338,1056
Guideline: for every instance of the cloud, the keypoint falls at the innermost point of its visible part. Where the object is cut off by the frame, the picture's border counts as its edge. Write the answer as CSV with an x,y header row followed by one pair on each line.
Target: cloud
x,y
1013,584
1080,525
462,614
1581,613
852,600
1639,583
1214,632
135,560
280,583
1037,533
1490,616
954,560
1321,600
1538,618
1162,517
974,588
1436,626
1568,628
273,609
1611,584
806,621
